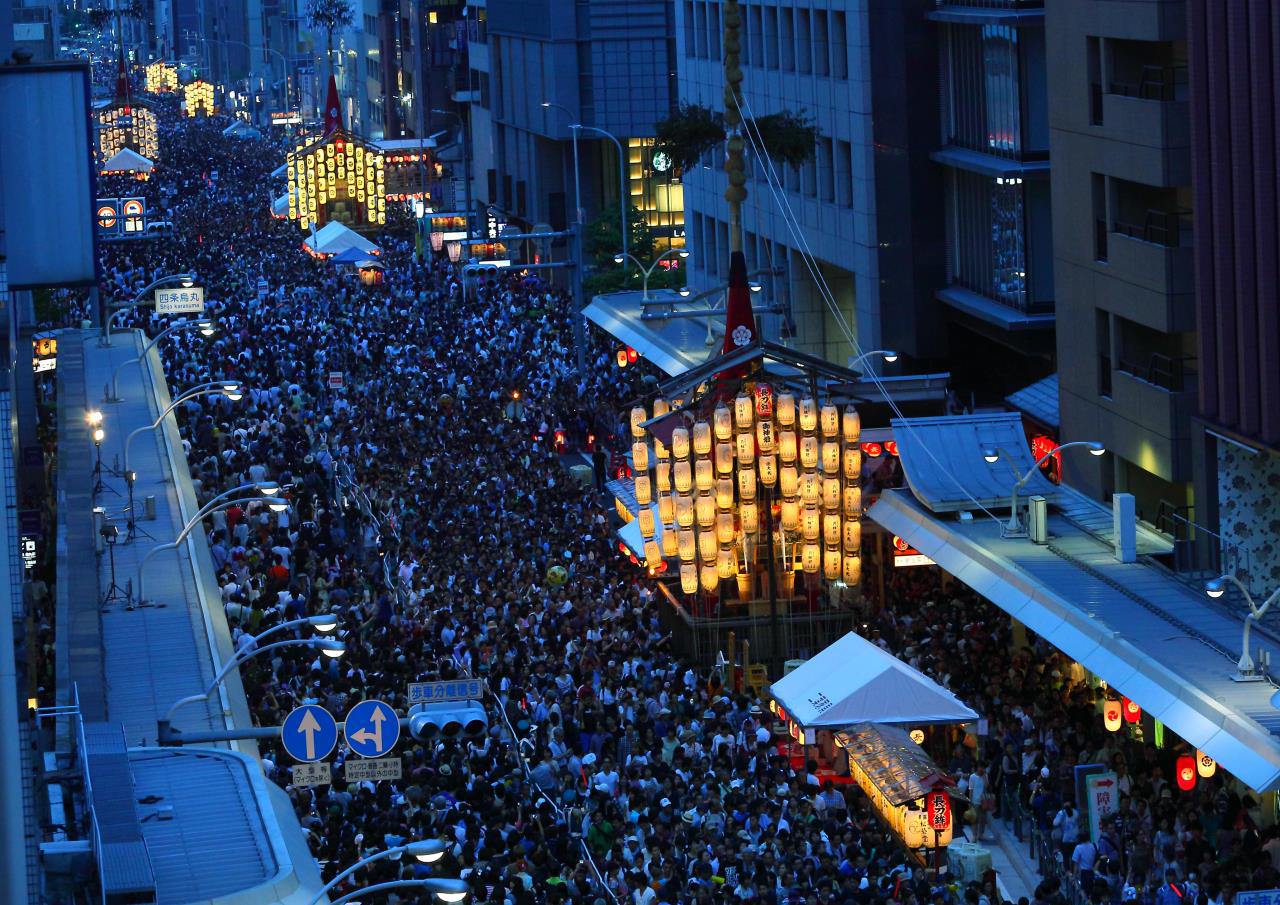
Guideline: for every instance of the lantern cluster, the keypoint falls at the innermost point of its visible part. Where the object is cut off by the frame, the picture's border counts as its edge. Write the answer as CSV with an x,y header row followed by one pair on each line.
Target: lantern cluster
x,y
339,170
127,126
792,461
161,77
199,98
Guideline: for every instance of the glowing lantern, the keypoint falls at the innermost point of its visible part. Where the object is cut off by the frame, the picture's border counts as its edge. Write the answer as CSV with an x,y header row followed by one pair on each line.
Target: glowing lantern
x,y
852,569
808,415
811,558
680,443
851,425
621,357
660,450
852,463
1186,772
684,476
768,470
746,449
787,447
684,510
917,736
831,494
704,478
786,409
749,517
702,438
704,508
742,414
852,535
666,509
810,489
831,563
810,523
1132,712
660,407
726,564
710,578
638,416
1111,717
670,543
644,490
640,456
853,502
789,512
789,480
831,529
688,577
724,458
652,555
645,519
707,547
830,419
746,484
831,458
724,528
723,422
809,453
1206,766
687,546
662,471
766,439
937,807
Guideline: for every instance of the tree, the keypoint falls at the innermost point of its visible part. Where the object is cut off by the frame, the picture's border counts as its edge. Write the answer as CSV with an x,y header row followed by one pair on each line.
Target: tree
x,y
602,240
330,16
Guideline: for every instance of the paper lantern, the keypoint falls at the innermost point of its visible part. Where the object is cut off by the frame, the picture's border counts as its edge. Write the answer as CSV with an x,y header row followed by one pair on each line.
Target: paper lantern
x,y
831,563
785,408
724,458
1132,712
1185,771
688,577
684,510
810,488
683,473
831,457
1111,717
809,453
680,443
768,467
830,420
702,438
638,417
644,490
789,514
746,449
660,407
660,450
787,447
789,480
662,472
831,494
851,425
724,528
640,456
810,523
852,463
749,517
746,484
852,569
724,493
723,423
645,518
808,415
742,415
766,437
710,578
704,477
687,545
811,558
831,530
851,534
652,555
666,509
707,547
1206,766
852,502
670,541
726,564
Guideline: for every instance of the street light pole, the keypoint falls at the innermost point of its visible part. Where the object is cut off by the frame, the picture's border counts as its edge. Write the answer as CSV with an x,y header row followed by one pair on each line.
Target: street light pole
x,y
623,203
203,325
427,851
648,271
992,455
889,356
579,269
186,279
1215,589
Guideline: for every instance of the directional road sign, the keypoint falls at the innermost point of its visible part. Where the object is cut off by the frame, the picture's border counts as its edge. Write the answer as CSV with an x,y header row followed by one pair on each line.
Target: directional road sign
x,y
372,728
451,690
309,733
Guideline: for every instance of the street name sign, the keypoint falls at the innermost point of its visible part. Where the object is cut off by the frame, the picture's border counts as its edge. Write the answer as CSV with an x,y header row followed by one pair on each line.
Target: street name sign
x,y
189,300
309,733
372,728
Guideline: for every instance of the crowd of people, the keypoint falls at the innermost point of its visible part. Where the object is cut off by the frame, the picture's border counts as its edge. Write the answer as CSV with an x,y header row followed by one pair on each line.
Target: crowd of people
x,y
426,512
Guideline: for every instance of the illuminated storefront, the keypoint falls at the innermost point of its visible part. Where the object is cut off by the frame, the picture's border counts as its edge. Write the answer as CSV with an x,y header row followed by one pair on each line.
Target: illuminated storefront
x,y
657,191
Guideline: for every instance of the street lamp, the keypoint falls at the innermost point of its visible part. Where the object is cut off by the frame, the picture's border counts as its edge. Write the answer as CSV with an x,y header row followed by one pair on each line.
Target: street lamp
x,y
184,279
648,271
991,455
888,354
445,889
267,488
204,325
232,390
1215,588
426,851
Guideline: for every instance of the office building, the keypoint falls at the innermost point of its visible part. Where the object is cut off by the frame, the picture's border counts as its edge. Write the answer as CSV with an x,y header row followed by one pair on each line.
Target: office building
x,y
1234,107
865,204
1122,235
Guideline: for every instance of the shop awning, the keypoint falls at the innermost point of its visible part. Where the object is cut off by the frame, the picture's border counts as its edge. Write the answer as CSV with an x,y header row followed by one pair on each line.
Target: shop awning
x,y
673,346
334,237
854,681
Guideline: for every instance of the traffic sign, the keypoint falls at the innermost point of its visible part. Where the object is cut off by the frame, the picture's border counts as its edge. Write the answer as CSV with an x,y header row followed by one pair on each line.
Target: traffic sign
x,y
451,690
337,380
372,728
309,733
312,774
373,770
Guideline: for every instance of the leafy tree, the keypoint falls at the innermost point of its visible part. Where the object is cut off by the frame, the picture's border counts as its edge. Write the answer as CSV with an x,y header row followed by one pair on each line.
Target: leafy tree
x,y
788,138
603,240
330,16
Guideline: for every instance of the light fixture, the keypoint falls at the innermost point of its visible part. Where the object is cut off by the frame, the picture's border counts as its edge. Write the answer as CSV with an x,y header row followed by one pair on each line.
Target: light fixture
x,y
94,417
427,851
1096,449
683,292
332,649
890,356
1215,588
991,456
187,282
277,505
618,259
451,896
682,253
325,622
205,327
234,393
268,488
99,435
754,286
545,104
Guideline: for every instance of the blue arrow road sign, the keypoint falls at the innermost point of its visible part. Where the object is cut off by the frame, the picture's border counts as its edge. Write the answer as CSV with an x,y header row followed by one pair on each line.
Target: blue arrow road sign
x,y
309,733
372,728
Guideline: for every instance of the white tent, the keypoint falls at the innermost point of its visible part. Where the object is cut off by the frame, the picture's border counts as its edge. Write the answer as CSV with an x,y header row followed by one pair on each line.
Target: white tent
x,y
127,160
854,681
333,238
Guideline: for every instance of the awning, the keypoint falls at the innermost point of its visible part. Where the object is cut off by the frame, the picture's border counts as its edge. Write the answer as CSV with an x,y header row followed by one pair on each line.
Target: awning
x,y
127,160
1153,639
280,172
1039,401
673,346
854,681
334,237
280,207
630,535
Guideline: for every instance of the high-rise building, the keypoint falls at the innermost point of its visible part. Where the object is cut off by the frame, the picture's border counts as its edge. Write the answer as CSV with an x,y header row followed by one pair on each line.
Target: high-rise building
x,y
865,204
1235,106
1122,238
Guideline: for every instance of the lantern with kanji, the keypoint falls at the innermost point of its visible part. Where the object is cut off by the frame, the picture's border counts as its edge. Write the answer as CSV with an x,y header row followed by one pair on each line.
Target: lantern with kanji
x,y
1185,772
1132,712
1111,714
937,805
1206,766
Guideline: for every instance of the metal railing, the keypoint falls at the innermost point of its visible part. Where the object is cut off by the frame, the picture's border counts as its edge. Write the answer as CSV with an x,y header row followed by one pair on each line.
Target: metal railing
x,y
1155,83
1159,227
1164,371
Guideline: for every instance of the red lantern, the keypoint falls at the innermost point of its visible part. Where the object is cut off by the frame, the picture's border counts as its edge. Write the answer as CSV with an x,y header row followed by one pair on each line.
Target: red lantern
x,y
1132,712
938,806
764,401
1186,772
632,355
1111,714
872,450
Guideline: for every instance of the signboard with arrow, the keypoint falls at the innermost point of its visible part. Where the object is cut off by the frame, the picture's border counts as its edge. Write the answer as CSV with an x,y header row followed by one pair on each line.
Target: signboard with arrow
x,y
372,728
310,733
1102,797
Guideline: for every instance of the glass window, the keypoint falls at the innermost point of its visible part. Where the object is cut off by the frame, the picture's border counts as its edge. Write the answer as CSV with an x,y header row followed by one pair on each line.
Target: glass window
x,y
982,105
986,228
804,44
844,173
771,37
839,46
787,39
755,35
826,170
821,50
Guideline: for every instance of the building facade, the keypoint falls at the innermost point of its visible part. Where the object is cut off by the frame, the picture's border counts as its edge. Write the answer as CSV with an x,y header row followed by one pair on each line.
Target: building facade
x,y
1123,247
1235,106
866,254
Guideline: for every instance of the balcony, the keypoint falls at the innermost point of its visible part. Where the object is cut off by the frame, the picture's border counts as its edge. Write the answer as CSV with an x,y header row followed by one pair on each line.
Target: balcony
x,y
1154,255
989,12
1162,446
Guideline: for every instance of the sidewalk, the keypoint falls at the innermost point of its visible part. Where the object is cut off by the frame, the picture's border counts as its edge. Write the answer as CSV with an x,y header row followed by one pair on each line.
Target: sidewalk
x,y
1015,868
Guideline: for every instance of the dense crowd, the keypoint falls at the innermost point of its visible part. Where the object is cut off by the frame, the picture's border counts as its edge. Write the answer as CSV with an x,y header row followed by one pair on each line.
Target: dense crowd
x,y
429,502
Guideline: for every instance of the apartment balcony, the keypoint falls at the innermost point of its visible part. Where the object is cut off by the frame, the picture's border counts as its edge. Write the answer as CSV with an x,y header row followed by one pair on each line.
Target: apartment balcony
x,y
1147,121
1151,261
1158,395
989,12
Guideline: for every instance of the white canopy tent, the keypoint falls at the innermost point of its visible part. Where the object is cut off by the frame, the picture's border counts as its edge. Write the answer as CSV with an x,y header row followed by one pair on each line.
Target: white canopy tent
x,y
854,681
334,237
127,160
